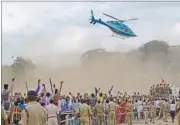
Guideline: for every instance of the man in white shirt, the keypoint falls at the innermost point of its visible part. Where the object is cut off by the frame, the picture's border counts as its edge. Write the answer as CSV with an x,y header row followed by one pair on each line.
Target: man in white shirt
x,y
172,110
53,112
140,108
156,103
135,109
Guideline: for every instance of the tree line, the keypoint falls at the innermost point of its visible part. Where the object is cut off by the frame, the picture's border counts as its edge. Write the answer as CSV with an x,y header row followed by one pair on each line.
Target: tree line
x,y
21,66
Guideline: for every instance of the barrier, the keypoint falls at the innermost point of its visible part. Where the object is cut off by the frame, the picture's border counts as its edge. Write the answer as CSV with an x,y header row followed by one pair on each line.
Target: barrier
x,y
92,120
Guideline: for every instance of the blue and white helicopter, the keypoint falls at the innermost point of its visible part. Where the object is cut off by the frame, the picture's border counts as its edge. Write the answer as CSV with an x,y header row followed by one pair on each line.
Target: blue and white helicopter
x,y
119,29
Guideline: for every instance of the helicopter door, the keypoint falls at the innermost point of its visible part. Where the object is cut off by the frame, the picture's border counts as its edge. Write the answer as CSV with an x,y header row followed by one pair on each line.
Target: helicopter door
x,y
122,29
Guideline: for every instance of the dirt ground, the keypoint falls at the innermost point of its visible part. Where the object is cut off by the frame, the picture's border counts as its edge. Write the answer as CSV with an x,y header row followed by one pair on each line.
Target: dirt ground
x,y
157,122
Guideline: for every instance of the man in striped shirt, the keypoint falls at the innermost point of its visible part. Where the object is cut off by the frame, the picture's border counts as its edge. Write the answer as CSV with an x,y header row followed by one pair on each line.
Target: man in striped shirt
x,y
5,95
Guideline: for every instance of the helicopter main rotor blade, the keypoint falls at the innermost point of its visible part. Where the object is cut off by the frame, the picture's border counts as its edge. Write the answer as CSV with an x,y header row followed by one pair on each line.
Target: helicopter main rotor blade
x,y
131,19
119,19
113,17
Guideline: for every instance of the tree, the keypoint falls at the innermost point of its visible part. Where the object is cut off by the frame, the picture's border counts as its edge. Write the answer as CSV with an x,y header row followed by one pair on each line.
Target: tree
x,y
88,55
7,73
21,66
155,46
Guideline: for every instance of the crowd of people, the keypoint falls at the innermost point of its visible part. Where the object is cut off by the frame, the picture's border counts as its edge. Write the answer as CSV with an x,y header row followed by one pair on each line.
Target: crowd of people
x,y
160,90
52,108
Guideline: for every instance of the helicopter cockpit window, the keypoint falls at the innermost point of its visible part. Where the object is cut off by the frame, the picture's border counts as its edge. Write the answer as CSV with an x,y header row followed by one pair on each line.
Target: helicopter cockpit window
x,y
130,31
126,30
121,29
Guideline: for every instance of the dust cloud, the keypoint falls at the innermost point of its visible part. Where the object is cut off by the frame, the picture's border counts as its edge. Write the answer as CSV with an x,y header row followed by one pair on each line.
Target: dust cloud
x,y
124,72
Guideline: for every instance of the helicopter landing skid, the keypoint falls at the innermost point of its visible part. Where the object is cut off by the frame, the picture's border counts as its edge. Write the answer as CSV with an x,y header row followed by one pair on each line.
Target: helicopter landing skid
x,y
118,36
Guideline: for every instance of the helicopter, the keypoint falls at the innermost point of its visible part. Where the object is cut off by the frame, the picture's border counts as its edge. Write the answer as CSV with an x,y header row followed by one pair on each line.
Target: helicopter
x,y
118,27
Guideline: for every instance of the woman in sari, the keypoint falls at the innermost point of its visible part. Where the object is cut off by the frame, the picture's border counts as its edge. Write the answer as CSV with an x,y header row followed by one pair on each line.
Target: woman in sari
x,y
122,110
118,112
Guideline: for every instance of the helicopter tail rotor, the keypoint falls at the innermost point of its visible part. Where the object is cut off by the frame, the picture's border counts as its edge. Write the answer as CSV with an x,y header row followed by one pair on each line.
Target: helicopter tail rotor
x,y
92,19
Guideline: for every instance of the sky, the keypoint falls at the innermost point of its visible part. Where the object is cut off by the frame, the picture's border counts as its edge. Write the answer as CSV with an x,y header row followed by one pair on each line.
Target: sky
x,y
62,29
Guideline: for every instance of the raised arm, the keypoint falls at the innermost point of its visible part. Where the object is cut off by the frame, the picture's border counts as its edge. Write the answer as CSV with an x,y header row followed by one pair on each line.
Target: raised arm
x,y
71,95
10,90
96,91
59,92
110,90
44,89
54,88
51,85
38,87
